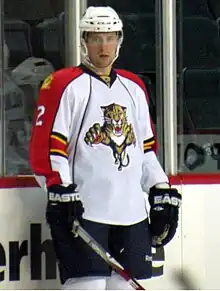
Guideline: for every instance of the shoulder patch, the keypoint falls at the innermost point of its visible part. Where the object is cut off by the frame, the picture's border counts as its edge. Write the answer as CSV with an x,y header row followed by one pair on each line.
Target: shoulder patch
x,y
47,82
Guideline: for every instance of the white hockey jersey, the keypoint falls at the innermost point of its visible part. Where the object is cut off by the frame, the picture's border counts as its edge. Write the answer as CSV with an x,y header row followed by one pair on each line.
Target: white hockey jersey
x,y
98,134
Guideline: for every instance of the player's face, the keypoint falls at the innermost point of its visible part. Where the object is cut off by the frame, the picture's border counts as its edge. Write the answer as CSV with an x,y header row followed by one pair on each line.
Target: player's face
x,y
101,48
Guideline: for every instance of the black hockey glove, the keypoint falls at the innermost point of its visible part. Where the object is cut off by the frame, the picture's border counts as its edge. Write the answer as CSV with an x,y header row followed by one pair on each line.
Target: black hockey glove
x,y
164,213
64,206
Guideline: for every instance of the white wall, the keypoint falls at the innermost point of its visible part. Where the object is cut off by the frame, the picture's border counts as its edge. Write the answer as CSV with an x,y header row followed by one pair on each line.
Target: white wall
x,y
196,247
19,208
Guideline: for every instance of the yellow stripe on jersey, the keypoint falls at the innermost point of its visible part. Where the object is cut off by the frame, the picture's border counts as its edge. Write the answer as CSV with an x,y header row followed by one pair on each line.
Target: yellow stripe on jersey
x,y
58,144
58,153
58,138
148,144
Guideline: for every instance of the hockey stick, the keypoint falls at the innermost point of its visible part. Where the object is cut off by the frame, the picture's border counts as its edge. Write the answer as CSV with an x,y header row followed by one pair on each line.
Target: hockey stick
x,y
78,230
185,280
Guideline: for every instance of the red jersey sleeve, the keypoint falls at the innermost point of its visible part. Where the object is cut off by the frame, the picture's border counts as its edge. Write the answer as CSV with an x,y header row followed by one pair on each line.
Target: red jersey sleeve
x,y
49,137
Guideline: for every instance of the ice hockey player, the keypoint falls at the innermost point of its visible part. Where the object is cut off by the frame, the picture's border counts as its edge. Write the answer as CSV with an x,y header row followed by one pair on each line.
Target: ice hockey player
x,y
92,150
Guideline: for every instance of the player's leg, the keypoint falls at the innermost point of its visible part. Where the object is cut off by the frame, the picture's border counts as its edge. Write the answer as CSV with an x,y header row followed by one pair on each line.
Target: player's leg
x,y
85,283
131,246
116,282
80,267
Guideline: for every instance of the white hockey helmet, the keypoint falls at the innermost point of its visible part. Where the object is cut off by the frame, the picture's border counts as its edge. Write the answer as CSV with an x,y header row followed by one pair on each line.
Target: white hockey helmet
x,y
100,19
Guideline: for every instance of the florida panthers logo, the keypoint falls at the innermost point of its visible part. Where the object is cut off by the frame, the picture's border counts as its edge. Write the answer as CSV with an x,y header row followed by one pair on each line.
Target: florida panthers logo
x,y
115,132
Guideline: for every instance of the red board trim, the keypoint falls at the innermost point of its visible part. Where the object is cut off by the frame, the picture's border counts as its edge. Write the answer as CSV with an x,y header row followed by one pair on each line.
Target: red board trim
x,y
196,179
180,179
18,182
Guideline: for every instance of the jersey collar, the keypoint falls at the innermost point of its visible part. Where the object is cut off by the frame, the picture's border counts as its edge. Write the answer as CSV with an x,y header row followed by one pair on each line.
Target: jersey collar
x,y
113,74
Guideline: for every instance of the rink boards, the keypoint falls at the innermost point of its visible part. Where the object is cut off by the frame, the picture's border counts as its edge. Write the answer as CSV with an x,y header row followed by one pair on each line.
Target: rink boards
x,y
26,254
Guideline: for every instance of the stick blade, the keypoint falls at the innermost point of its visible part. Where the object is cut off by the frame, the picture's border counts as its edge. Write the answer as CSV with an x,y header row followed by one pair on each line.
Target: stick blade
x,y
185,280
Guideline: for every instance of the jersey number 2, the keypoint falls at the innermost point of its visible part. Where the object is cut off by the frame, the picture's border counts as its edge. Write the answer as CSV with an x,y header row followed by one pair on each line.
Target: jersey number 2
x,y
41,110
